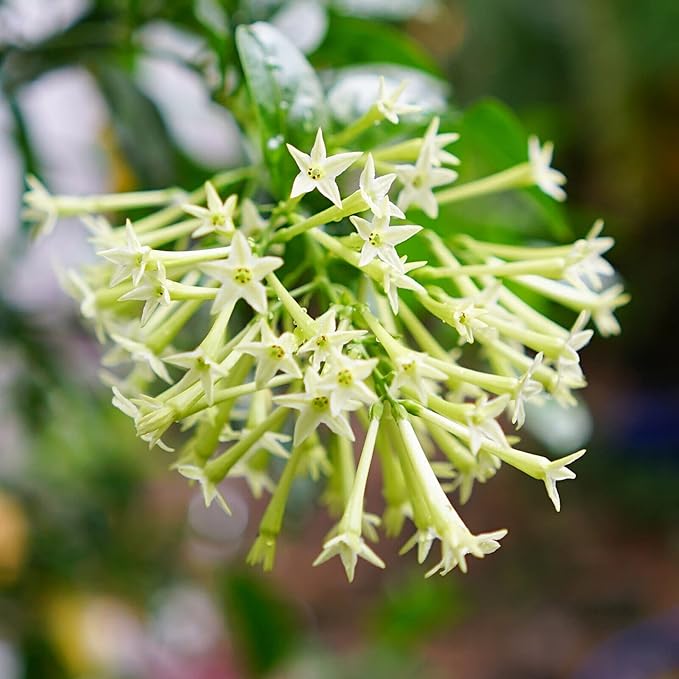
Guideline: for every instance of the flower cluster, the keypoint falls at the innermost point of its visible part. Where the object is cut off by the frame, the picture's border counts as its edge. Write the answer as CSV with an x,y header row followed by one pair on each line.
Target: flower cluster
x,y
208,316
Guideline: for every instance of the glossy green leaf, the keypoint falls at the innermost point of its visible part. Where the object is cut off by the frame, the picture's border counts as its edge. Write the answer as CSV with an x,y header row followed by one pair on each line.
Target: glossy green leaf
x,y
286,94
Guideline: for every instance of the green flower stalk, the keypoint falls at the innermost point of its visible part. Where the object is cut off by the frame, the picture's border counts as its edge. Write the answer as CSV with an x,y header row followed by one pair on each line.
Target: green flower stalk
x,y
303,311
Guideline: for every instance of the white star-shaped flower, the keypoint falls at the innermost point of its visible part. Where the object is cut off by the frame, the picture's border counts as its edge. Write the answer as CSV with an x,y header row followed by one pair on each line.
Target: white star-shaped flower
x,y
240,276
152,291
320,171
482,422
526,389
273,354
348,546
387,104
557,470
381,239
585,267
437,144
132,260
127,407
413,371
602,311
329,339
420,179
42,208
545,177
208,487
314,407
217,216
140,353
201,366
344,380
251,222
375,189
394,279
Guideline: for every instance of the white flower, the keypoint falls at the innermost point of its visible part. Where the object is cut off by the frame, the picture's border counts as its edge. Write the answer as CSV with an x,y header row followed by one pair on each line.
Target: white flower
x,y
577,339
585,263
381,238
413,371
394,279
349,546
602,311
437,144
526,389
133,259
152,291
251,222
314,407
466,316
319,171
273,354
444,522
557,470
240,275
140,353
199,366
131,410
79,289
329,339
456,545
387,104
545,177
217,216
482,423
208,487
420,179
42,208
375,189
344,380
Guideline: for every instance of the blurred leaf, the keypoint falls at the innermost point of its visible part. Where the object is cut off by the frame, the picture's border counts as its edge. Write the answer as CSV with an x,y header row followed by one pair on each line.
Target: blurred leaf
x,y
286,93
140,130
413,610
354,41
263,623
385,9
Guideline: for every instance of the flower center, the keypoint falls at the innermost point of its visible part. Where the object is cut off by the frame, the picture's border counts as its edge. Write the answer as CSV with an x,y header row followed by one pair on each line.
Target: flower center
x,y
345,378
375,239
315,173
409,367
320,402
277,352
242,275
217,219
322,341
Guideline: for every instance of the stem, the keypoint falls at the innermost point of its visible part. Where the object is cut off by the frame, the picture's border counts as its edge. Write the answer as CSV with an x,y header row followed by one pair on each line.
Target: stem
x,y
548,267
166,216
371,117
304,322
76,205
519,176
351,205
217,469
354,509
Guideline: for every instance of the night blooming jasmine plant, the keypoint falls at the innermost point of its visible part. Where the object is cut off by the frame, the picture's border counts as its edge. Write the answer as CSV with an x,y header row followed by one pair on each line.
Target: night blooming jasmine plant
x,y
295,309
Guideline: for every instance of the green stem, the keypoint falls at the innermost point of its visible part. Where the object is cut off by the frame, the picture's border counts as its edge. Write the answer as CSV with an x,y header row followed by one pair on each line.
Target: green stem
x,y
519,176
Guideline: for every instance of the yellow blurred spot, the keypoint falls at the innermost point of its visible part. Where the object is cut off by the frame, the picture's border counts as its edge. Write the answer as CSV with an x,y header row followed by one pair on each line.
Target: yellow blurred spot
x,y
13,539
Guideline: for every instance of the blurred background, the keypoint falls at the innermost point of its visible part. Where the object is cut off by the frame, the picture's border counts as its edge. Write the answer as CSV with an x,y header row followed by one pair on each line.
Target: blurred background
x,y
111,568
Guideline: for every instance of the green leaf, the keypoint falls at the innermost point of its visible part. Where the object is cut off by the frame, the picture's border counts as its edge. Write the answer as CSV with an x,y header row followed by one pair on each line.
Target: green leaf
x,y
352,41
492,139
264,624
286,94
